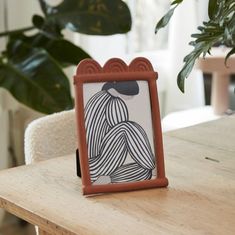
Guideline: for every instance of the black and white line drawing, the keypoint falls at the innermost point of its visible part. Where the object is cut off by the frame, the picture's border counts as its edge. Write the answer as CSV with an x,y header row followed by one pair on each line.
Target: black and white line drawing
x,y
118,148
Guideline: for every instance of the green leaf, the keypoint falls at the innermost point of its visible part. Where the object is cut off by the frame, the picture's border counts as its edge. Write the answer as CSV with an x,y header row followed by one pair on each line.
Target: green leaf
x,y
183,74
38,21
165,19
93,17
35,79
51,30
189,60
231,52
44,6
212,8
176,2
65,52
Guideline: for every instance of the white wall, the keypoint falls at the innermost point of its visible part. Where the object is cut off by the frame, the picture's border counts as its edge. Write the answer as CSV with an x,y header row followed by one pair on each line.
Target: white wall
x,y
20,12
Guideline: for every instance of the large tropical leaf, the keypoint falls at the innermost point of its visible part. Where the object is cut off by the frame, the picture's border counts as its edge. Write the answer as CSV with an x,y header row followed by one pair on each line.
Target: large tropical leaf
x,y
34,79
65,52
93,17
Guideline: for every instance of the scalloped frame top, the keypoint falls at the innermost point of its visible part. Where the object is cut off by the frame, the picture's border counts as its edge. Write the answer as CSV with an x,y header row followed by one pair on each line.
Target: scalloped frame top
x,y
114,65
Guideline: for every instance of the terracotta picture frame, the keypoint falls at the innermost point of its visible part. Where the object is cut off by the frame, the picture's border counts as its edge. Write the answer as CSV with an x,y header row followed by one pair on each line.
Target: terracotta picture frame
x,y
118,126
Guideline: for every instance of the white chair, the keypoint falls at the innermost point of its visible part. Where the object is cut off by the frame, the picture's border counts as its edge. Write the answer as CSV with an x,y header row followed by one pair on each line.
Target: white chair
x,y
50,136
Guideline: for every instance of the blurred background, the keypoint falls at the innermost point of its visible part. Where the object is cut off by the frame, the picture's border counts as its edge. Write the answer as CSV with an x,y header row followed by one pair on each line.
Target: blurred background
x,y
165,50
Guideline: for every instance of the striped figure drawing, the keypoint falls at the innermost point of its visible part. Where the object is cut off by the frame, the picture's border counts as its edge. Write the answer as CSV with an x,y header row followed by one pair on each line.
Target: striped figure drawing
x,y
118,148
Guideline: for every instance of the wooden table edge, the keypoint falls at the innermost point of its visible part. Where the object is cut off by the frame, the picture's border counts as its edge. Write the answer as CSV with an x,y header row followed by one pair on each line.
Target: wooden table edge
x,y
43,224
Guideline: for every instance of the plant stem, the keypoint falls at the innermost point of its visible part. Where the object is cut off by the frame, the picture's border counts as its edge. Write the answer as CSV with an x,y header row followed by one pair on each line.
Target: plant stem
x,y
2,34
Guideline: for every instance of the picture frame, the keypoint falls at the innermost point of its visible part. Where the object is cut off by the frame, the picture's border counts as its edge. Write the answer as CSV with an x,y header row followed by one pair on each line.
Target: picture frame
x,y
118,126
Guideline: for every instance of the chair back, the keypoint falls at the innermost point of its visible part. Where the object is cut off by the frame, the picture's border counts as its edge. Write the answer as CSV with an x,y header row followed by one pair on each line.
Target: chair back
x,y
50,136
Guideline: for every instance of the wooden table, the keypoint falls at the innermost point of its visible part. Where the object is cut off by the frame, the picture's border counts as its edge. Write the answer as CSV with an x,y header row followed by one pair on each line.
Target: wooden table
x,y
200,165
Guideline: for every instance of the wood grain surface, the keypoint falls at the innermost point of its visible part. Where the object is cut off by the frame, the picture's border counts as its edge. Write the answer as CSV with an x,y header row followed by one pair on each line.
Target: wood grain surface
x,y
200,199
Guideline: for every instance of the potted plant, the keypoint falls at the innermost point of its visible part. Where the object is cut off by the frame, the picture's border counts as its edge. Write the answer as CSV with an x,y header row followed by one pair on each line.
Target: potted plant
x,y
31,67
219,29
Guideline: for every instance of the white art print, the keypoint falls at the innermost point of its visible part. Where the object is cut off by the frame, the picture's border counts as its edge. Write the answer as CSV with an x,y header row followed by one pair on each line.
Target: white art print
x,y
119,132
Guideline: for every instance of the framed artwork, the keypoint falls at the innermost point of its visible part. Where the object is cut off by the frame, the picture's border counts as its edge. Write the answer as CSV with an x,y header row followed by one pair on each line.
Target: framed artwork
x,y
118,126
